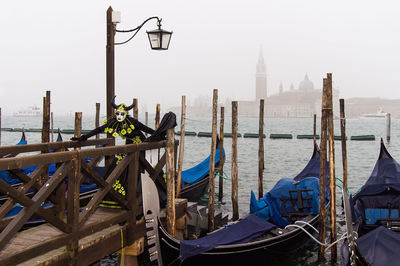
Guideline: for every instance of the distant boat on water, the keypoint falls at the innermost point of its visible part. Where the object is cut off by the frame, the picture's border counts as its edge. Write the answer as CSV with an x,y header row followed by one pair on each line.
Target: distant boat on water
x,y
31,111
379,114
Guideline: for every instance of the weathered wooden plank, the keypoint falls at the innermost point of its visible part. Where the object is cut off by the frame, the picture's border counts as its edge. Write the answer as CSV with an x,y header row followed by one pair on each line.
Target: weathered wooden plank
x,y
55,146
108,218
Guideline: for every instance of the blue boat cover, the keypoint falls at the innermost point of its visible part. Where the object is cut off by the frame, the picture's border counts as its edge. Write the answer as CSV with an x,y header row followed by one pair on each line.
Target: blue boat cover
x,y
194,174
381,188
243,231
269,207
379,247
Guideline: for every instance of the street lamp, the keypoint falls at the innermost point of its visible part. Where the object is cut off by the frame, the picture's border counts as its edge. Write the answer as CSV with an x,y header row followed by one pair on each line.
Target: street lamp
x,y
159,40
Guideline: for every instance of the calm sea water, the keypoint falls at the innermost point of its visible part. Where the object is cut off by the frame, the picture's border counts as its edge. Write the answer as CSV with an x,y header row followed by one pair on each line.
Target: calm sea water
x,y
283,157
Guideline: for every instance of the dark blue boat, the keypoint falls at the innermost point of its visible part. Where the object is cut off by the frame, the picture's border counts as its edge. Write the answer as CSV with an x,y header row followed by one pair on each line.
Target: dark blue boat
x,y
255,239
375,217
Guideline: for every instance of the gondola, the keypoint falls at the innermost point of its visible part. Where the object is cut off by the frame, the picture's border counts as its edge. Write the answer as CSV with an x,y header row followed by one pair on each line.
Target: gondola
x,y
195,180
373,217
253,240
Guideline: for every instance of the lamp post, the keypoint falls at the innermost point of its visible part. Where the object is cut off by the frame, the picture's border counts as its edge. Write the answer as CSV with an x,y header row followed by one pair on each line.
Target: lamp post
x,y
159,40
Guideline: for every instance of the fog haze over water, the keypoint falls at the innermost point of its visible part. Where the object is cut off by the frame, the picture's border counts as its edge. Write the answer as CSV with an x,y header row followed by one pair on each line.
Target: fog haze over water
x,y
60,46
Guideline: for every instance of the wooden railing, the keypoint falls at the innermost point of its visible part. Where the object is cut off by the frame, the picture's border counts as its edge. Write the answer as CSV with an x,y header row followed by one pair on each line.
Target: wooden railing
x,y
66,213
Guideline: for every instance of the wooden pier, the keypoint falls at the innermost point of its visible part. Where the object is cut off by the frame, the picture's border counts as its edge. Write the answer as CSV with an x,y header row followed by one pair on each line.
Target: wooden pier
x,y
74,230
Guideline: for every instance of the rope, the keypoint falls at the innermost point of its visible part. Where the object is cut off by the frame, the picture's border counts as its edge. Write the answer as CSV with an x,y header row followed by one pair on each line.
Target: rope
x,y
122,249
312,237
224,175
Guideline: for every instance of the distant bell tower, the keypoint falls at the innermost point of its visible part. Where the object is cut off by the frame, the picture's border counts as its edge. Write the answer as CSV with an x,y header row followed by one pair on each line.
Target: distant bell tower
x,y
261,78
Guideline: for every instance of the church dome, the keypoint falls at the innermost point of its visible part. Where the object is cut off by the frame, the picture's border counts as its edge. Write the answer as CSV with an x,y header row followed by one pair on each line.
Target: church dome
x,y
306,84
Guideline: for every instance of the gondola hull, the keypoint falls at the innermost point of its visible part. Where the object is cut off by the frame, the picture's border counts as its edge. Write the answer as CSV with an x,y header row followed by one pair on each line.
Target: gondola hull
x,y
195,191
268,249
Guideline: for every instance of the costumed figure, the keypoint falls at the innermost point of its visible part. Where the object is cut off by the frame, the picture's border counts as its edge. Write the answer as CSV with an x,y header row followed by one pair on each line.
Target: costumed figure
x,y
127,128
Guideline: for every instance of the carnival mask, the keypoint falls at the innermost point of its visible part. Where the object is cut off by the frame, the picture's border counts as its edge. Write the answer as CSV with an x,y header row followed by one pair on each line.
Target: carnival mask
x,y
120,115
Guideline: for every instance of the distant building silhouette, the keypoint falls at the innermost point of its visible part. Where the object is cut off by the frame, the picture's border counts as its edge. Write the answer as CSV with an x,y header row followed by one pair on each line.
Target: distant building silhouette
x,y
302,102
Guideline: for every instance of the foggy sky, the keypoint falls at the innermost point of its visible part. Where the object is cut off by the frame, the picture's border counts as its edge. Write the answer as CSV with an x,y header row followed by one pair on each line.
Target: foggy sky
x,y
60,46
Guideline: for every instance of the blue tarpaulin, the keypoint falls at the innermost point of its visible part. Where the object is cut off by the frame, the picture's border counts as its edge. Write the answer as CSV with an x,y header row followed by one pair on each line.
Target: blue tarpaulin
x,y
270,206
199,171
241,232
379,247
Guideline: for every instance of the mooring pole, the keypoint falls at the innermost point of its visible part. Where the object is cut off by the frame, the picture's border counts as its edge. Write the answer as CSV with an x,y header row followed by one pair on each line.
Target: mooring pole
x,y
322,173
78,125
146,118
388,126
157,118
0,126
181,147
211,224
97,119
332,180
46,118
170,182
315,129
221,155
344,144
136,109
235,205
52,126
261,150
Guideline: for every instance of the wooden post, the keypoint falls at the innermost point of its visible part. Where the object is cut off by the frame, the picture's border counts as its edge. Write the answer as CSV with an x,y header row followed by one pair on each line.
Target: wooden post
x,y
170,182
46,118
146,118
261,150
322,173
136,109
221,156
235,205
133,169
315,129
181,148
332,176
73,209
78,125
388,126
97,119
52,126
344,144
110,71
211,223
0,126
157,118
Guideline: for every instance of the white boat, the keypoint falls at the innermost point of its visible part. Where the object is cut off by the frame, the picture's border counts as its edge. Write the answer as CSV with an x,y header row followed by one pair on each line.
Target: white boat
x,y
31,111
379,114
